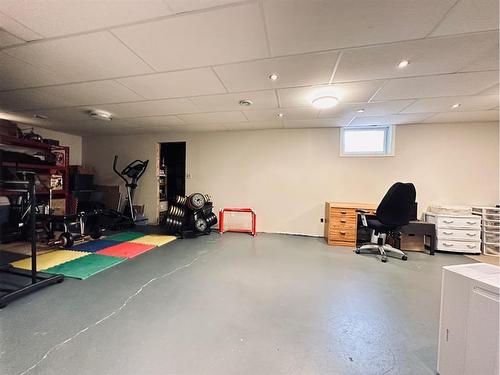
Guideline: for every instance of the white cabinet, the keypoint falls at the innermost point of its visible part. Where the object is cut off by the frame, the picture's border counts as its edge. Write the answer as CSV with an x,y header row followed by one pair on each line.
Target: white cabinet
x,y
456,233
469,320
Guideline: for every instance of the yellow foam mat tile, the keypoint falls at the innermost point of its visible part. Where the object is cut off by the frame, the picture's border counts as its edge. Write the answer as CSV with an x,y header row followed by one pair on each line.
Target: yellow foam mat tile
x,y
154,239
52,259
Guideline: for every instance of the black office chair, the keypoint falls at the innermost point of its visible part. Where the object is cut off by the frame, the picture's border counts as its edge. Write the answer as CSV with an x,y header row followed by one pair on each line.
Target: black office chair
x,y
392,213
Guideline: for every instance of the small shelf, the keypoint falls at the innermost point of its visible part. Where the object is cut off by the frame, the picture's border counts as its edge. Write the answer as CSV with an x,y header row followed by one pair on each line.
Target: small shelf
x,y
56,192
13,164
14,141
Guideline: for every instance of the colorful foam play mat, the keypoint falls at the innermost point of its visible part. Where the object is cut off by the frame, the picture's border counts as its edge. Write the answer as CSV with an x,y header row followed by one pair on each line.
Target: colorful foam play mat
x,y
87,259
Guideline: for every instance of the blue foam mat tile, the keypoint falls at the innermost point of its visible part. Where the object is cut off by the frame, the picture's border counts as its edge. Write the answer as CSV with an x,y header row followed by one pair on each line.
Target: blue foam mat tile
x,y
94,246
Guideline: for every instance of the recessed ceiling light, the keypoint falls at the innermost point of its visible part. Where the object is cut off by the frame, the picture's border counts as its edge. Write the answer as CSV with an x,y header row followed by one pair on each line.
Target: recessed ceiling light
x,y
456,105
100,115
273,77
324,102
245,102
281,115
361,110
403,64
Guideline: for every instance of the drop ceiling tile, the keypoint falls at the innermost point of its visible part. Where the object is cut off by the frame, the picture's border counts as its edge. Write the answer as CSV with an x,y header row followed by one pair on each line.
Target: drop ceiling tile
x,y
7,39
438,85
180,6
467,103
369,109
413,118
200,128
15,74
15,28
219,36
67,95
493,90
82,57
473,116
296,26
151,108
31,99
301,70
213,117
150,121
175,84
230,102
427,56
345,92
255,125
469,16
289,113
486,61
65,116
333,122
93,92
62,17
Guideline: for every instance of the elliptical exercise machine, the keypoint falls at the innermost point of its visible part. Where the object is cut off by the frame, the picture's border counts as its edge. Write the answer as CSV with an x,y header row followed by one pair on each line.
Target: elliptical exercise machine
x,y
131,175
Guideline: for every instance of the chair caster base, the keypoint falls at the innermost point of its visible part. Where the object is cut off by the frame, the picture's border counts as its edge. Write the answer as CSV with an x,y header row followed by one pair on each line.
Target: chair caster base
x,y
383,260
404,257
357,251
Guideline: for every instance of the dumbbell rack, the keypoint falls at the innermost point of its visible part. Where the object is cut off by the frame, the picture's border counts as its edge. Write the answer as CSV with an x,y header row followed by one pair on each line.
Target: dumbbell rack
x,y
15,282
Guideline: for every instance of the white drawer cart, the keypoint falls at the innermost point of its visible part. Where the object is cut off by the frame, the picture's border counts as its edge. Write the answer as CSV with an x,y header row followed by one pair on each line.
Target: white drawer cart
x,y
469,320
490,229
461,234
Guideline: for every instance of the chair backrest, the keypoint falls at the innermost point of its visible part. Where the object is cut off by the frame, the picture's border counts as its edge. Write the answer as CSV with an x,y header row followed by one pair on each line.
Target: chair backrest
x,y
396,206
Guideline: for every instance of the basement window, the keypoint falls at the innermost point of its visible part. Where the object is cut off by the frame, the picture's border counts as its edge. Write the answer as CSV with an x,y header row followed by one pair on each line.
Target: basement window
x,y
367,141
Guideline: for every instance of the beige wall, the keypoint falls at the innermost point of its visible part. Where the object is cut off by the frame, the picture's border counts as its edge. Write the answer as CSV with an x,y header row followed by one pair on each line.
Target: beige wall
x,y
287,175
73,141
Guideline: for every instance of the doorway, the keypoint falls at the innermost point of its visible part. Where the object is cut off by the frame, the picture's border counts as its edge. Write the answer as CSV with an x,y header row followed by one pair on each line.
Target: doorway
x,y
173,162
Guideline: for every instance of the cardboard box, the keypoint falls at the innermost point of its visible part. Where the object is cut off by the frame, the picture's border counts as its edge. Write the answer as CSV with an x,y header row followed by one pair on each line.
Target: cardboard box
x,y
412,242
82,169
58,206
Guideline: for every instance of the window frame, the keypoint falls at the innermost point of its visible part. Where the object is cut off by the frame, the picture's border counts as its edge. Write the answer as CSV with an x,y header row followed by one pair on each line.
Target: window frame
x,y
389,141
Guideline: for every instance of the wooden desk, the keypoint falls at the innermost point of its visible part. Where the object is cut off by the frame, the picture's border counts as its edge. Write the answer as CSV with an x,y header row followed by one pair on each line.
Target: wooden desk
x,y
341,222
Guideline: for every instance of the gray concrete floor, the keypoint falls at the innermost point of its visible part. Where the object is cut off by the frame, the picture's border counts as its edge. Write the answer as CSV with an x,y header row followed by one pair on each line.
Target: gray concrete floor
x,y
234,304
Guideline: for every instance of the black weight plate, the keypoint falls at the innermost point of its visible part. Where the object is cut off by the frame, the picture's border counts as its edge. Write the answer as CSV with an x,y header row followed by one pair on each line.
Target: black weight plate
x,y
200,225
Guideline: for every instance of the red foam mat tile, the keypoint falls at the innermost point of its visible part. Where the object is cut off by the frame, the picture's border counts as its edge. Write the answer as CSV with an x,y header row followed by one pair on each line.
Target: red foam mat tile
x,y
126,250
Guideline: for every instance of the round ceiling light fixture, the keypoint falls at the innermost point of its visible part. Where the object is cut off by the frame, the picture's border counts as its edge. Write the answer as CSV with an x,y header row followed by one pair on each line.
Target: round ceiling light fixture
x,y
281,115
456,105
245,102
100,115
273,77
403,64
324,102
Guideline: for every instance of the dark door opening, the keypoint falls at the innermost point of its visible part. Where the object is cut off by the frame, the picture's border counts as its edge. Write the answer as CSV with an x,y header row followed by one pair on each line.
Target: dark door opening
x,y
173,159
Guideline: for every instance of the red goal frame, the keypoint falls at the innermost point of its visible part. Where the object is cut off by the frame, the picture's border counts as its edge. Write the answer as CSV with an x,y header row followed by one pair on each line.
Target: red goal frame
x,y
253,230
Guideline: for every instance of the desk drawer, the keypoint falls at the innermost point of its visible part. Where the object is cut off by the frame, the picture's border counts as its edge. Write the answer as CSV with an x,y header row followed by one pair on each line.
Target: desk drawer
x,y
342,212
338,234
343,221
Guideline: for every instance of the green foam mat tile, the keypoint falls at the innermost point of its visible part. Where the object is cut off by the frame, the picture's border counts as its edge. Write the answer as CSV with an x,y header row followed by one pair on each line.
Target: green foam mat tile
x,y
84,267
125,236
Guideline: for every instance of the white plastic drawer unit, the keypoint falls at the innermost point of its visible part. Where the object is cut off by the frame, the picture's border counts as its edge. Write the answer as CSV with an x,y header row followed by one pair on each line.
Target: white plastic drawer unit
x,y
491,237
458,234
471,247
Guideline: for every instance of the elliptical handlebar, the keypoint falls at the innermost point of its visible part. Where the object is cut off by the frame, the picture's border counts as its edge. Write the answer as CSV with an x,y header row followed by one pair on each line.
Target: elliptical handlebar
x,y
116,171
